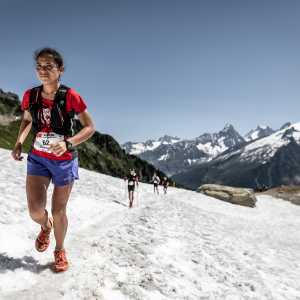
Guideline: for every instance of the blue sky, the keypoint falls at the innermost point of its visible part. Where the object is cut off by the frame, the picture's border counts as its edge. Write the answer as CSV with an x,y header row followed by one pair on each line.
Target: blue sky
x,y
147,68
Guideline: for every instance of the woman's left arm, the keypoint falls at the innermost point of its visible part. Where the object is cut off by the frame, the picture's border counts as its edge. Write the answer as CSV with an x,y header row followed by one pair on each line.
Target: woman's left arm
x,y
86,132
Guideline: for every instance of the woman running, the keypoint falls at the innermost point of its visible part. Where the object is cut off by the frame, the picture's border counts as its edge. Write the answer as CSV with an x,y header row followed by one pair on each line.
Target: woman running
x,y
49,111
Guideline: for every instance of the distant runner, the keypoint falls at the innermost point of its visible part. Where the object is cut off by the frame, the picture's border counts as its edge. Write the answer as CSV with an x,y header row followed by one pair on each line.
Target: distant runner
x,y
132,181
156,181
165,184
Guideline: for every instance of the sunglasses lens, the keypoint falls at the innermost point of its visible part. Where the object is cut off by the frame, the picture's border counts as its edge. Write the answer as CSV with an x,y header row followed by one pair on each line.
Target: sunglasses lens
x,y
46,67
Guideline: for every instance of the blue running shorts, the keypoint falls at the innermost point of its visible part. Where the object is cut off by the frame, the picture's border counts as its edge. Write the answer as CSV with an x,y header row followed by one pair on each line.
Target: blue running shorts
x,y
62,172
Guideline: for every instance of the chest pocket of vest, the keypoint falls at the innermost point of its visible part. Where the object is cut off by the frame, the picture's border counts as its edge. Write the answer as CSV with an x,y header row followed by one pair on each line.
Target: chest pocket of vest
x,y
57,117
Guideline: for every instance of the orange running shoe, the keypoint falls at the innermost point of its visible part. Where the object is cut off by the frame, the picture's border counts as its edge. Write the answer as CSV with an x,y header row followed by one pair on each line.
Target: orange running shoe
x,y
61,263
43,239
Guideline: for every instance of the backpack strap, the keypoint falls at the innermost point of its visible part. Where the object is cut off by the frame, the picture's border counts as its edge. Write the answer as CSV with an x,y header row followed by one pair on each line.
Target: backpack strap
x,y
34,105
34,95
60,98
62,121
58,111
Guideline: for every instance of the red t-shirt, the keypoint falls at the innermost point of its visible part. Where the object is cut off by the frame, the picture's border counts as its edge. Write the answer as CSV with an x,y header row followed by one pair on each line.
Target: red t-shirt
x,y
73,102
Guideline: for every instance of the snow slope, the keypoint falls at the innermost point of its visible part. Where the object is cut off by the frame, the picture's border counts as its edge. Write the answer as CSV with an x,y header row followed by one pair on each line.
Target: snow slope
x,y
180,246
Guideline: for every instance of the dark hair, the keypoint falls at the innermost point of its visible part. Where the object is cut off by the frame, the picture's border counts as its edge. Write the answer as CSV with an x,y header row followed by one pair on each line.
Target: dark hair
x,y
49,52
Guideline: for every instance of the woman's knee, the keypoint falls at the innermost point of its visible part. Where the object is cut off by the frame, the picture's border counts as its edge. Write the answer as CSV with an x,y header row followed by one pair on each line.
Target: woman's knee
x,y
58,212
36,214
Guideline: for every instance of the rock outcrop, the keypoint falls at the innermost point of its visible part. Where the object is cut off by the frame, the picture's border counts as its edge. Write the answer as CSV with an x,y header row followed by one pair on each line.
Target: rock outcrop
x,y
234,195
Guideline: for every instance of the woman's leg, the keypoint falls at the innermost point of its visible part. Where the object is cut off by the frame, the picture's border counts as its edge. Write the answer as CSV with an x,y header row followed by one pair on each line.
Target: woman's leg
x,y
130,197
36,190
60,199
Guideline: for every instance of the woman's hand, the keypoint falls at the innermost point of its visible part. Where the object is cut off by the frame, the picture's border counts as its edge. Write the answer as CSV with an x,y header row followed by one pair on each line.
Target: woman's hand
x,y
59,148
17,152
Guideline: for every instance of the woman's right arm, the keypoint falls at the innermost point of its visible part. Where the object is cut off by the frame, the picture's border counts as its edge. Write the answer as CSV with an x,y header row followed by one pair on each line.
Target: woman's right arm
x,y
23,133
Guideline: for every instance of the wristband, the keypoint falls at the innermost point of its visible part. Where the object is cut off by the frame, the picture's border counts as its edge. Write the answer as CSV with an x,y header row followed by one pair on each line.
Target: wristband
x,y
69,145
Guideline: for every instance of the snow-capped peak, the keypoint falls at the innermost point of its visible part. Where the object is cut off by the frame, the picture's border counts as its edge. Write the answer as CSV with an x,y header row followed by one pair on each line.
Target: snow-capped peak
x,y
259,132
167,139
216,143
149,142
265,148
227,127
285,125
138,148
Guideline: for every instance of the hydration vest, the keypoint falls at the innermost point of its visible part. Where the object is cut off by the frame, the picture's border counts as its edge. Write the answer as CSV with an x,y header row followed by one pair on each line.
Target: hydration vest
x,y
62,122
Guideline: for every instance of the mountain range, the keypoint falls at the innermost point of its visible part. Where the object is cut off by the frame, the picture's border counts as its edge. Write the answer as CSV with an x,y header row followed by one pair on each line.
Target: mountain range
x,y
270,161
263,157
174,155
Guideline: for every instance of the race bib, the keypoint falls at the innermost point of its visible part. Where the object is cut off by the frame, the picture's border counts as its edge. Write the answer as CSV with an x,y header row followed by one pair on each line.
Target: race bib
x,y
130,183
43,140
